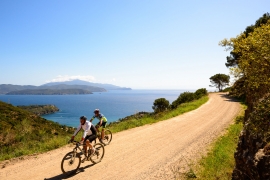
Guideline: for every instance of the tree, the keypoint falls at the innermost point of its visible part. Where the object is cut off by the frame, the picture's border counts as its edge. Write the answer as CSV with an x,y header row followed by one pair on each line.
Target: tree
x,y
232,60
254,63
236,73
254,83
219,81
200,93
160,105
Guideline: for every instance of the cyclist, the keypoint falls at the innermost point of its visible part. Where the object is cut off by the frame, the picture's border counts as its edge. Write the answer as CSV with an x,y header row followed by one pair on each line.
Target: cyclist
x,y
89,134
102,122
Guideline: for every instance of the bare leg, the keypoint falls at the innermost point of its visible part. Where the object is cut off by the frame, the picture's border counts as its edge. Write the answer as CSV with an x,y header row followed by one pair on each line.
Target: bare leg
x,y
85,148
89,144
102,134
97,127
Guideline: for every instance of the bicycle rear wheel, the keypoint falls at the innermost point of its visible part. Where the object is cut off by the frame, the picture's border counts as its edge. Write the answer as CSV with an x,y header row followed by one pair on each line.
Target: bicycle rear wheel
x,y
107,137
94,142
98,154
70,163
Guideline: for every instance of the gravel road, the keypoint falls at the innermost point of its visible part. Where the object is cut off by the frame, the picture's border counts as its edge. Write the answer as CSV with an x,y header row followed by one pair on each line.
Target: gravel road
x,y
148,152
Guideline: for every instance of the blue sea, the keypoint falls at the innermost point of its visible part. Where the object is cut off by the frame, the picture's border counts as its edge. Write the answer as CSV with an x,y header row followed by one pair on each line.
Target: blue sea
x,y
113,104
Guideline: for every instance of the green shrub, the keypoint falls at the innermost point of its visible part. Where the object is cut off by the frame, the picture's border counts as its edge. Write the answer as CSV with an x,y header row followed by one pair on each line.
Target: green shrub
x,y
200,93
160,105
188,97
183,98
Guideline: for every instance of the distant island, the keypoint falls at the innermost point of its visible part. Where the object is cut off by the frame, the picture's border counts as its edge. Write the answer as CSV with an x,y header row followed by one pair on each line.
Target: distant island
x,y
77,82
58,88
49,92
40,109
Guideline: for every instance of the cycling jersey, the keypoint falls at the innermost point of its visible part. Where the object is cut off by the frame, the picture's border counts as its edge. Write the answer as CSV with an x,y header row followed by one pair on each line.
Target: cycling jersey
x,y
100,116
88,128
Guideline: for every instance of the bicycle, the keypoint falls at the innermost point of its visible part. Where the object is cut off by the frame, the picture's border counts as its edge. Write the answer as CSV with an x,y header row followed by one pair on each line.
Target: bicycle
x,y
72,160
107,137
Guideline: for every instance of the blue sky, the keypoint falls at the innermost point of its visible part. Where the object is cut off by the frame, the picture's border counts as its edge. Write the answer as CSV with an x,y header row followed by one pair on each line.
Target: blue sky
x,y
142,44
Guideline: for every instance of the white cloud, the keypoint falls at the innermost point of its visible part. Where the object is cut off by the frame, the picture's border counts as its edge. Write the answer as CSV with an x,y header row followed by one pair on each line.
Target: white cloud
x,y
61,78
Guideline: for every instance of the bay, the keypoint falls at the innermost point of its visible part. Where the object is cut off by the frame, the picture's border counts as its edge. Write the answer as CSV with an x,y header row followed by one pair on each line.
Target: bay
x,y
113,104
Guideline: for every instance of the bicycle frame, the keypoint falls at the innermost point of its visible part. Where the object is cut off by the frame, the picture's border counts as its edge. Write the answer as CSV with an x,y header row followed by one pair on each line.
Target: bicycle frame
x,y
78,144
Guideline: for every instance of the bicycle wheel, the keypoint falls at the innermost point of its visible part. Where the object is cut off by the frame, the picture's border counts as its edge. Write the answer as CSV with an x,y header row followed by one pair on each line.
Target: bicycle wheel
x,y
94,142
98,154
70,163
107,137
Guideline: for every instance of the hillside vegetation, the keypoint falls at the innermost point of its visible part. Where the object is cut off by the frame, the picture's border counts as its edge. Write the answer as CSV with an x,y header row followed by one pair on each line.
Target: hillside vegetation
x,y
40,109
22,133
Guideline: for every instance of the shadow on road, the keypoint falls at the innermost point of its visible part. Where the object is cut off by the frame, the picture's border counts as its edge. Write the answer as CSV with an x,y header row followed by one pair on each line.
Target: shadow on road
x,y
63,176
228,98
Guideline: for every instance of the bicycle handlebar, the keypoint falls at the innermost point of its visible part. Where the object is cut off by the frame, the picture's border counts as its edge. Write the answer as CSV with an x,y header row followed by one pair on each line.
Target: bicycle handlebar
x,y
75,142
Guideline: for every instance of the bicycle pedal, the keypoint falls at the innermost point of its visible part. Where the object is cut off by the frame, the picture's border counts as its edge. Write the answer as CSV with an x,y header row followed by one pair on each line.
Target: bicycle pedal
x,y
83,160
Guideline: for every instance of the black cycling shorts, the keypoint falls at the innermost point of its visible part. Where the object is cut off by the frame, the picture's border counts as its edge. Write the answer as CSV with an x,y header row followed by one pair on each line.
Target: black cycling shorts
x,y
103,124
91,137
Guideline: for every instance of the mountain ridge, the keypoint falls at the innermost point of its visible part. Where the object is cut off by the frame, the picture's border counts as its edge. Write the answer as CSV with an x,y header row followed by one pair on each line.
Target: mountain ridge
x,y
58,87
81,82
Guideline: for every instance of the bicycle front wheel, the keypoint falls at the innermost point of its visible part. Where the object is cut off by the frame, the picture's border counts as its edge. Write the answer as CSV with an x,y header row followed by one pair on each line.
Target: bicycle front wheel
x,y
70,163
98,154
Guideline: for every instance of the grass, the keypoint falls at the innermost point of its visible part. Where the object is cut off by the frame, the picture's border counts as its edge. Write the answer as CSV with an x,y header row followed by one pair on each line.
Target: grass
x,y
219,162
33,148
136,121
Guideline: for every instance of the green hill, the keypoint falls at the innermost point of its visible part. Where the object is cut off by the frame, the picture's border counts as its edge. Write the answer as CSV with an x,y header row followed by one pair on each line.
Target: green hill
x,y
22,133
